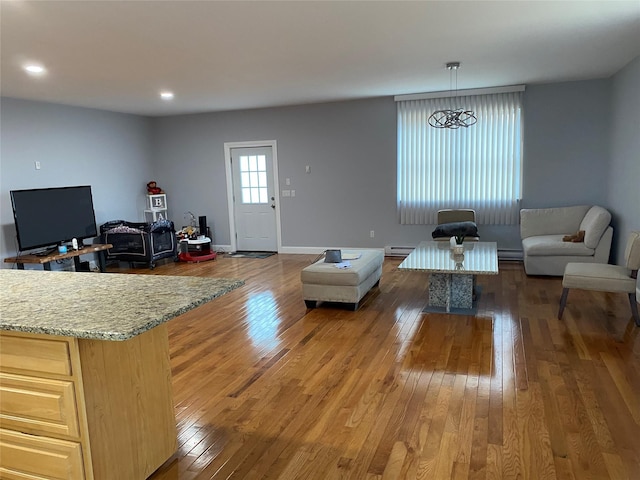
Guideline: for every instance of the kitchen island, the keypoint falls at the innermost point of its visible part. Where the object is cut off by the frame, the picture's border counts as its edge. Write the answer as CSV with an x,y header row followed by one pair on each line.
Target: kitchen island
x,y
85,380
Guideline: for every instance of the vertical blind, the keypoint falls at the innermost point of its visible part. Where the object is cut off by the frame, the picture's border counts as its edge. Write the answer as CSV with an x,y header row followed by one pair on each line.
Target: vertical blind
x,y
478,167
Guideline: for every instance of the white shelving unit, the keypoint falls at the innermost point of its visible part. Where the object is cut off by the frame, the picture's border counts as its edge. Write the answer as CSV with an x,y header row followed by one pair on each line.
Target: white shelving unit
x,y
156,206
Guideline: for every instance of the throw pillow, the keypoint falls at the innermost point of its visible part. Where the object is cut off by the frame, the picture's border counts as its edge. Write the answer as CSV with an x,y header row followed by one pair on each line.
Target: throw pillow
x,y
446,230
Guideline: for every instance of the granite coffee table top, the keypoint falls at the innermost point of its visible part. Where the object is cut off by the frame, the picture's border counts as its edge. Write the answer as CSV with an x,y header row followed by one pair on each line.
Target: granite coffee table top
x,y
105,306
479,258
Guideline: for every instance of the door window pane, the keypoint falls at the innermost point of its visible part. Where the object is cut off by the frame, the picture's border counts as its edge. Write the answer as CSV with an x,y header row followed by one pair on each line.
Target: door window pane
x,y
253,179
262,179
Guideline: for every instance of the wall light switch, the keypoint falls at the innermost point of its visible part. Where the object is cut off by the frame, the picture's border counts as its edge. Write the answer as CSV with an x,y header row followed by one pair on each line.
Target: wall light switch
x,y
286,193
293,193
307,169
287,181
37,165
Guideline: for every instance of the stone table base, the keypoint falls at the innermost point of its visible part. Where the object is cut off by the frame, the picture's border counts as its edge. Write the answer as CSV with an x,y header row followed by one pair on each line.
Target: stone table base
x,y
450,292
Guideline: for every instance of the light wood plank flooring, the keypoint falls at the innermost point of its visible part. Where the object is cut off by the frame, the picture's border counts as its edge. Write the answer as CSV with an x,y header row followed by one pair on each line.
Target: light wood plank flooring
x,y
265,388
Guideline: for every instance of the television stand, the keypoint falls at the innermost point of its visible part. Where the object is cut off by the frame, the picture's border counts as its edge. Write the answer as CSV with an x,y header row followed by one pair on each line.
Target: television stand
x,y
47,252
45,259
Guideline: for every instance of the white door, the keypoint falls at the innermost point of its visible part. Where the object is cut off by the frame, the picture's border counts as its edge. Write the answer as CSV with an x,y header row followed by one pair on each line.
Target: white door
x,y
254,199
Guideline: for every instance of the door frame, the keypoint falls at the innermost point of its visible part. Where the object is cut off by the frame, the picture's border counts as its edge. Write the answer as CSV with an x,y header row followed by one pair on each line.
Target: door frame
x,y
228,146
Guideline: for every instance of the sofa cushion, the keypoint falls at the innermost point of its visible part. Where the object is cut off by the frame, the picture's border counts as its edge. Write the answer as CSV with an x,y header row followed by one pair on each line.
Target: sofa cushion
x,y
322,273
597,276
594,223
547,245
551,221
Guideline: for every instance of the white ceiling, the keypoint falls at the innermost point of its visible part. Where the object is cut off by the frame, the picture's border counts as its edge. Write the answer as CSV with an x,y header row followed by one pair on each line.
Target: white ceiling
x,y
117,55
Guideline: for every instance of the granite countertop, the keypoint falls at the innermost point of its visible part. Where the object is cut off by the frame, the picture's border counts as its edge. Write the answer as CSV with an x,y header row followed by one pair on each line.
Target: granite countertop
x,y
107,306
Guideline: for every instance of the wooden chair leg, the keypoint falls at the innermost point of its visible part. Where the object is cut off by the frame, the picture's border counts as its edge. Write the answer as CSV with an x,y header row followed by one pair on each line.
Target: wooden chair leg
x,y
563,302
634,308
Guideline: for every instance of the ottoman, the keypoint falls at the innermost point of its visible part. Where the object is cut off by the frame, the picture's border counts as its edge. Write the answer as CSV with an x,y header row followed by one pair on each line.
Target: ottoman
x,y
324,282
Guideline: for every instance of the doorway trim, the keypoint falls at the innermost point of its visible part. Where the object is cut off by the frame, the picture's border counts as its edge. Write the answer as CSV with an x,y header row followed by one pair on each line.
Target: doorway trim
x,y
228,146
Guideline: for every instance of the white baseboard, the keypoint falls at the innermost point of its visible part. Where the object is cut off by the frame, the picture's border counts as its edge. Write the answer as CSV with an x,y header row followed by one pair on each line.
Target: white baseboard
x,y
302,250
389,251
319,250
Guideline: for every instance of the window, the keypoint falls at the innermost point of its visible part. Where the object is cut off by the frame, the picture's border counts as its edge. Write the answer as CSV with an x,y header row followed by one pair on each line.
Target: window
x,y
478,167
253,179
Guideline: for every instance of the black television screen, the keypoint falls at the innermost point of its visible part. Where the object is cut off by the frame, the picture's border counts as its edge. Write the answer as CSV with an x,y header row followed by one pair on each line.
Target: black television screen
x,y
51,216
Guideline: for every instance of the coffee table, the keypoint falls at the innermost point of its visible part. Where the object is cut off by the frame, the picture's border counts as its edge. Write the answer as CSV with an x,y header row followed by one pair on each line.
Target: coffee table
x,y
452,276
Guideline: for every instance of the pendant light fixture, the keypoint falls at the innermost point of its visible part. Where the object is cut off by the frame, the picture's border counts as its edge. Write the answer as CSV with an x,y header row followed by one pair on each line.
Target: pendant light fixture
x,y
452,118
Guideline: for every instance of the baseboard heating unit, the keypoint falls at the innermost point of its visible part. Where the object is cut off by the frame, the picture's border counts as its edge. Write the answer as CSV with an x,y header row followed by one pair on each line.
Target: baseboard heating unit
x,y
506,254
392,251
510,255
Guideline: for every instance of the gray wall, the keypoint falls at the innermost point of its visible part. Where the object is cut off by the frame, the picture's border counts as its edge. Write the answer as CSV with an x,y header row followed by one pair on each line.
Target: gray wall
x,y
351,148
75,146
572,155
566,143
624,177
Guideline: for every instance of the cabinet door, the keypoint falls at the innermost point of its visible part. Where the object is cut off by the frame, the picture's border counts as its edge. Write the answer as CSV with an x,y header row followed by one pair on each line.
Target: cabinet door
x,y
29,456
38,405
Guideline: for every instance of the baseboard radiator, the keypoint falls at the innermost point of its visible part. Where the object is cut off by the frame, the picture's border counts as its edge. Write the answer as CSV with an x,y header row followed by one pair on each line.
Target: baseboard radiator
x,y
506,254
510,255
394,251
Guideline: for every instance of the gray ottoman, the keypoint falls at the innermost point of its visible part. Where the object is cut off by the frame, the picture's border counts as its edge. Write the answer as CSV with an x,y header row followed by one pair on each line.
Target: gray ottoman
x,y
324,282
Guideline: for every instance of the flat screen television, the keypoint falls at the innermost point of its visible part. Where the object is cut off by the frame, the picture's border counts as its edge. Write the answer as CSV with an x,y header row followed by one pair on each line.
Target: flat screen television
x,y
46,217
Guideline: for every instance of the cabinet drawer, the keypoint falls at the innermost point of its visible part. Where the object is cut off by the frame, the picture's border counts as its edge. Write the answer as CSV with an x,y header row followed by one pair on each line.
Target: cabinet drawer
x,y
29,456
38,405
41,355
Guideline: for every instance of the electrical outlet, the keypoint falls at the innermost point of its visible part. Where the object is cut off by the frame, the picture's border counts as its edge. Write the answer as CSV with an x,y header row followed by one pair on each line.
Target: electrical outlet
x,y
287,181
286,193
293,193
372,234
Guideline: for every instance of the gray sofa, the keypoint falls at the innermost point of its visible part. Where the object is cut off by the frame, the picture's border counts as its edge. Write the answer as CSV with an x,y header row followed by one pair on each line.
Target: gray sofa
x,y
542,230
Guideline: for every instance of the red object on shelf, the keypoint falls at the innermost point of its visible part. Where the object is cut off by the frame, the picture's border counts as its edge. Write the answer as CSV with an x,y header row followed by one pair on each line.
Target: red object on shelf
x,y
198,250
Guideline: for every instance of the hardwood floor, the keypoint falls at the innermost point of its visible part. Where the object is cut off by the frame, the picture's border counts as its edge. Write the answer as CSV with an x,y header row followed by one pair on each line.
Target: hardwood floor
x,y
265,388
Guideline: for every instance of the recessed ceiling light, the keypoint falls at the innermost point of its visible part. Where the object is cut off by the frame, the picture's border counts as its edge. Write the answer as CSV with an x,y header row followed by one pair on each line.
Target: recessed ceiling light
x,y
34,69
166,95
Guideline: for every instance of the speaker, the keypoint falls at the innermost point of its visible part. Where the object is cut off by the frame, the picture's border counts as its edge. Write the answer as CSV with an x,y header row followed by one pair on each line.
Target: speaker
x,y
203,225
83,267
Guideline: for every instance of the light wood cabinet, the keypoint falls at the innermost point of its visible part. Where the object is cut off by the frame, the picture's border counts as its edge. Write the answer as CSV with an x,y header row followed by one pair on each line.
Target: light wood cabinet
x,y
75,408
30,456
41,406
